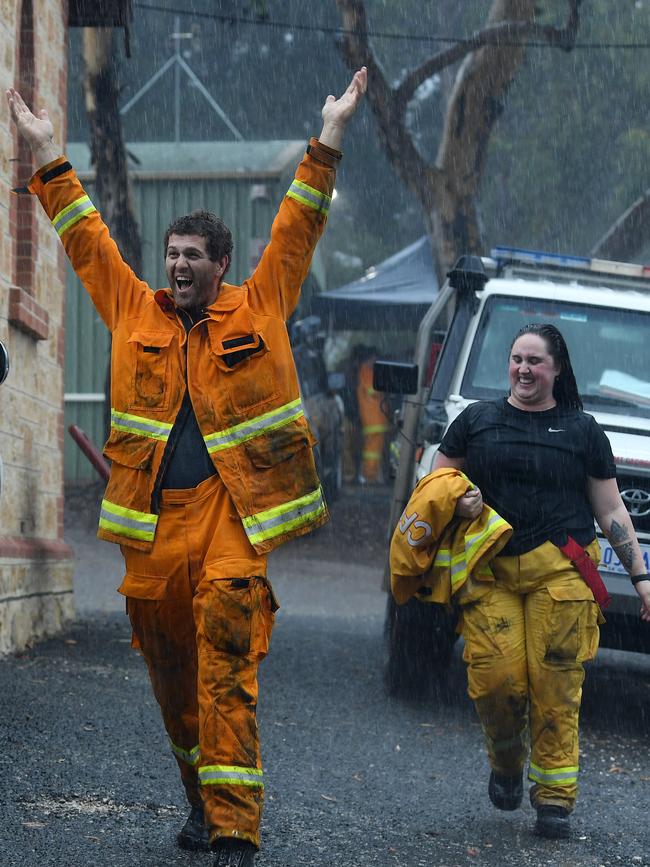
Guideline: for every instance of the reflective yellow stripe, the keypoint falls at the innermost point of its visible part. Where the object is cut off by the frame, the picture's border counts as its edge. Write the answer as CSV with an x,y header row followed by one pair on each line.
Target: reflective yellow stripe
x,y
261,424
211,775
146,427
72,213
472,544
375,428
281,519
127,522
309,196
192,757
553,776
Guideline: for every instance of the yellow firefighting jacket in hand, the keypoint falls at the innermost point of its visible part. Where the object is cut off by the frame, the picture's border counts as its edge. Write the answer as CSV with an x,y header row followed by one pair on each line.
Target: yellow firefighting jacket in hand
x,y
433,553
237,364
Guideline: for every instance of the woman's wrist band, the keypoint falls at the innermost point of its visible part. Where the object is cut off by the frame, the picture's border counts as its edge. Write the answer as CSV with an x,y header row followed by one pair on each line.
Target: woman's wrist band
x,y
636,578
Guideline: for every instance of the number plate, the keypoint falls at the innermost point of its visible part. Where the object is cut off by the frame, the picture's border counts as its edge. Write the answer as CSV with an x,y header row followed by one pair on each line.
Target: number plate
x,y
609,562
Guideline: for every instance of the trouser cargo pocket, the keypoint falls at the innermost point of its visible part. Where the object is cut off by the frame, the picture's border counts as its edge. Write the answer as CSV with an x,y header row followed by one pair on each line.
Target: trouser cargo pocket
x,y
573,624
236,615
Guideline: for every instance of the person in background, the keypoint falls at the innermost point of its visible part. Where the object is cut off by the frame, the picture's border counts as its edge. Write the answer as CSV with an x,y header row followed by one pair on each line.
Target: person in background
x,y
547,468
212,465
374,423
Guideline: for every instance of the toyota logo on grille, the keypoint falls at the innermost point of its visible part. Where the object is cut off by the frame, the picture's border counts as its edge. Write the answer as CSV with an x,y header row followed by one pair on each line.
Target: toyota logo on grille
x,y
637,502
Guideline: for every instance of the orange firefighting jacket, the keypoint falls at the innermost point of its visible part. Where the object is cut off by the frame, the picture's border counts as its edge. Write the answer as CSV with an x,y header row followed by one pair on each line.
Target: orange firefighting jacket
x,y
432,553
237,364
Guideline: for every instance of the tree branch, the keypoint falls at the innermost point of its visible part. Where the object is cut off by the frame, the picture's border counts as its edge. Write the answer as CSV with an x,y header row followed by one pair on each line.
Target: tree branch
x,y
501,35
628,235
398,144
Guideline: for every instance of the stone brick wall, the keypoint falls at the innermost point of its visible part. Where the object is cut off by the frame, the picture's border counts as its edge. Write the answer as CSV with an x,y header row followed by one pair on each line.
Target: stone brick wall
x,y
35,563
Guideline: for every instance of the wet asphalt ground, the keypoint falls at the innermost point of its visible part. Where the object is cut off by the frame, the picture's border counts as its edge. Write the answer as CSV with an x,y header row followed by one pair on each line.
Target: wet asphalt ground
x,y
353,777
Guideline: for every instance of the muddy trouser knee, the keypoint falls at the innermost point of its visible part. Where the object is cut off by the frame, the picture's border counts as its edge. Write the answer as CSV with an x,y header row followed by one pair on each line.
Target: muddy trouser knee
x,y
163,630
526,641
497,676
234,620
556,674
202,613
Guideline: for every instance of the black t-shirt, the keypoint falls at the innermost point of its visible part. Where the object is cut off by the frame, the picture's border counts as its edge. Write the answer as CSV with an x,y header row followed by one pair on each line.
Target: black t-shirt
x,y
532,468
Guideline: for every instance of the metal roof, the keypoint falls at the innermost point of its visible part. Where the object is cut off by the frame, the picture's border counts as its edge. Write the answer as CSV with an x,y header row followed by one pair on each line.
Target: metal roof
x,y
199,159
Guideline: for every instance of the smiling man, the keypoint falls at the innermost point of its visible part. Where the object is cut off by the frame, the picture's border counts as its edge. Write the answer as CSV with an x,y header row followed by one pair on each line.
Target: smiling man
x,y
212,463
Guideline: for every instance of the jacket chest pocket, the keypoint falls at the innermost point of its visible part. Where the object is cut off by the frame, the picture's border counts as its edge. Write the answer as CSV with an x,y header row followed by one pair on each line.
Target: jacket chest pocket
x,y
151,353
247,365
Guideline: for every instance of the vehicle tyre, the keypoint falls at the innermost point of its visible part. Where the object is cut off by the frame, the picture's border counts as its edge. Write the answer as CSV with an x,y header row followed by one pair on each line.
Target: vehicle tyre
x,y
419,638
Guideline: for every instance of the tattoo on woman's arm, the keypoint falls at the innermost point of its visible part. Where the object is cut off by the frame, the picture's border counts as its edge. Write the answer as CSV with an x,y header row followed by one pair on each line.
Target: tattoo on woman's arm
x,y
621,543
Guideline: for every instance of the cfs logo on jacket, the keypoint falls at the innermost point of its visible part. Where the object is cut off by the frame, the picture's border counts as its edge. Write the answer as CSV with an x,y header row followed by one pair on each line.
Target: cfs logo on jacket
x,y
417,532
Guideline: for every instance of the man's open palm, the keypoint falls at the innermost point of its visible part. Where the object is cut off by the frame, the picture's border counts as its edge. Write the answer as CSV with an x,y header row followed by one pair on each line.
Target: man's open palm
x,y
338,111
36,130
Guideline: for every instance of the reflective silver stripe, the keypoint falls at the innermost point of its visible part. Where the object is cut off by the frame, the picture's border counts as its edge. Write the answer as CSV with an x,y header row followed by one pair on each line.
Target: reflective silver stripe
x,y
214,775
127,522
309,196
246,430
281,519
443,557
192,756
553,776
72,214
472,543
146,427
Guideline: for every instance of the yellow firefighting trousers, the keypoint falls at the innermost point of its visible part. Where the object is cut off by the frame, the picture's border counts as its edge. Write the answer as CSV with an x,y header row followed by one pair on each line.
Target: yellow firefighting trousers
x,y
202,614
526,641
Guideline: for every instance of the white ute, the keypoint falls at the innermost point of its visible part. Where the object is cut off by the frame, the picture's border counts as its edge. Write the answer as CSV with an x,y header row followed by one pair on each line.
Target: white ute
x,y
603,310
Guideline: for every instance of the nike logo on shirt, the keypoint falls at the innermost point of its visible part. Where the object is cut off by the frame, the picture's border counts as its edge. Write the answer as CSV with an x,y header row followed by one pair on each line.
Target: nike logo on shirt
x,y
556,430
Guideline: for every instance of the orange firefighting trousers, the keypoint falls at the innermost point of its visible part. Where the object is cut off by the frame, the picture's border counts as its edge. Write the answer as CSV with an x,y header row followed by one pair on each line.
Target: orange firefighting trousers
x,y
525,643
202,614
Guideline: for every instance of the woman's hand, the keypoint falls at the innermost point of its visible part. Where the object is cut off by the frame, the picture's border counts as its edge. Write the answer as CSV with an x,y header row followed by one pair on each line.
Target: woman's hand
x,y
643,589
469,505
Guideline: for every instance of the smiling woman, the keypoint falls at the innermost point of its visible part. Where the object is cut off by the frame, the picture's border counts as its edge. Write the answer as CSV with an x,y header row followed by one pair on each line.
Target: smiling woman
x,y
546,467
532,373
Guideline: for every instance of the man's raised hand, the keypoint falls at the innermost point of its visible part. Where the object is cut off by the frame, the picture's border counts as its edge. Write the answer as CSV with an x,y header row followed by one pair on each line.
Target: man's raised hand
x,y
337,112
37,130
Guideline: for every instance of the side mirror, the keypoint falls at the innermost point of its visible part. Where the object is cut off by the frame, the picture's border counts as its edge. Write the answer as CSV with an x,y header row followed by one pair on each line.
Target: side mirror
x,y
4,363
395,377
336,381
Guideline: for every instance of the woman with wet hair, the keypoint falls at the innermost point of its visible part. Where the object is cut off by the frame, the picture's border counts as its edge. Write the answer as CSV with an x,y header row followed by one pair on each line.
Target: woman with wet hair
x,y
546,467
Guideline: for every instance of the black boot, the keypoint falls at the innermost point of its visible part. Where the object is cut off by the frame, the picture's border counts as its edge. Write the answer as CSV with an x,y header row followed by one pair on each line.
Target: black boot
x,y
552,822
506,793
231,852
194,835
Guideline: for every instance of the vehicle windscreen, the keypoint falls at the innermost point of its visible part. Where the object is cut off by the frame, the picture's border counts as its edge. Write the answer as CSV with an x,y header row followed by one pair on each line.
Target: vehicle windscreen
x,y
609,349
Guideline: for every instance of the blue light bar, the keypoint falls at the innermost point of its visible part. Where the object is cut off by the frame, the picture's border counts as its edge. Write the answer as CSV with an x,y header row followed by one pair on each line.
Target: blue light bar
x,y
538,257
579,263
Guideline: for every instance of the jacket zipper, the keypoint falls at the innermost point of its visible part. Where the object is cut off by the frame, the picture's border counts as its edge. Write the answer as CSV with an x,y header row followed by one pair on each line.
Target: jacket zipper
x,y
181,418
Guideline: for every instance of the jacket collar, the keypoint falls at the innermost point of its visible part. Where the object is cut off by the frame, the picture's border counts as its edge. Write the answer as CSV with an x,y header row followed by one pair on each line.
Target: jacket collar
x,y
229,298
